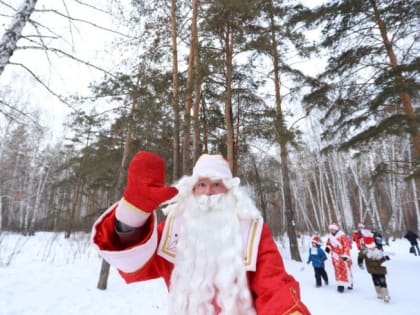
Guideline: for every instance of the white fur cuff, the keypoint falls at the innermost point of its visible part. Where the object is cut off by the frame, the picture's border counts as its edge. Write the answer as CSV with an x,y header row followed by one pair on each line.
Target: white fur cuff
x,y
135,258
130,215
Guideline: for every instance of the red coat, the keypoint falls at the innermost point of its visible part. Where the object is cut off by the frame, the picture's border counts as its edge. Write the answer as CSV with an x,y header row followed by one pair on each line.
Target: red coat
x,y
339,246
274,291
358,235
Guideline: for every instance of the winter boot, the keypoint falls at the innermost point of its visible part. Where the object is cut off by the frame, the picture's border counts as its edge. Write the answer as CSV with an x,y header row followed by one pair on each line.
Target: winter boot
x,y
385,294
340,288
379,292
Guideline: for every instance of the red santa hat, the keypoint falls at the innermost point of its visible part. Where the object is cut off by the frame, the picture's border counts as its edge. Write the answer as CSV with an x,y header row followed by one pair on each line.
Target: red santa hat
x,y
214,167
360,225
334,226
316,240
369,241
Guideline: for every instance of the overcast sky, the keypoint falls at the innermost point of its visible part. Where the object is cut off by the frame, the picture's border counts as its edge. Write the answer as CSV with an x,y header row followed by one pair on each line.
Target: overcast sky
x,y
61,74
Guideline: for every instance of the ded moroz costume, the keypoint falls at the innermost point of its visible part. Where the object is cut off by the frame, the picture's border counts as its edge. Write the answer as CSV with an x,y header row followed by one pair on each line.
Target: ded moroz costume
x,y
338,245
214,252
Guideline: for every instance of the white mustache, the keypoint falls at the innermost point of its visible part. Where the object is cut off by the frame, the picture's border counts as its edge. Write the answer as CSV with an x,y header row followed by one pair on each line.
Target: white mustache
x,y
209,203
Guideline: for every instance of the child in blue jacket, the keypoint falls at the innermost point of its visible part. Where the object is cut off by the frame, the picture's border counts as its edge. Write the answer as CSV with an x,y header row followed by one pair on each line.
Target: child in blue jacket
x,y
317,256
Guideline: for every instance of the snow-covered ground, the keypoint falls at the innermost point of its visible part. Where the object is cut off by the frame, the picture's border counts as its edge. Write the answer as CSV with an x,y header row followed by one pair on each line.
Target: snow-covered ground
x,y
47,274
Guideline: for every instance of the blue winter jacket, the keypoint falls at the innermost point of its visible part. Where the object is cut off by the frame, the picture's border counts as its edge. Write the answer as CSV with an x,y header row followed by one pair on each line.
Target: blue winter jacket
x,y
317,256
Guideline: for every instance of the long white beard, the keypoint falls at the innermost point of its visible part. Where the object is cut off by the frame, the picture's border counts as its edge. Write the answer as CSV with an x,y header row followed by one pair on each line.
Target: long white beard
x,y
209,275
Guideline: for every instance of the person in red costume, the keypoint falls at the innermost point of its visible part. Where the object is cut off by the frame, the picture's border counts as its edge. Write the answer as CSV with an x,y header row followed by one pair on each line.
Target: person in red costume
x,y
358,235
214,251
338,244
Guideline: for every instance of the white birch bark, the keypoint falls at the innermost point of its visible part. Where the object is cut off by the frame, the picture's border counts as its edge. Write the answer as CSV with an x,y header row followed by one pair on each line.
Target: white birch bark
x,y
388,151
367,199
346,208
315,206
414,189
416,203
13,33
326,217
297,188
372,197
332,188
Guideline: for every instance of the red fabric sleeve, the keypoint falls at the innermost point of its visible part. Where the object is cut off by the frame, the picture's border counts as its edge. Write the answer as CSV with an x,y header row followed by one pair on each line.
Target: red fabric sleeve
x,y
156,267
107,239
275,292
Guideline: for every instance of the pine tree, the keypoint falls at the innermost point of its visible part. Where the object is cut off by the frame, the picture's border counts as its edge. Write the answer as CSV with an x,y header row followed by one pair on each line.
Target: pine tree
x,y
370,82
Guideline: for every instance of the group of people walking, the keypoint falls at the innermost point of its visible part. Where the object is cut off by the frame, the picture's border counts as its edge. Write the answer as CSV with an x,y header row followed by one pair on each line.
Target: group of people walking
x,y
338,247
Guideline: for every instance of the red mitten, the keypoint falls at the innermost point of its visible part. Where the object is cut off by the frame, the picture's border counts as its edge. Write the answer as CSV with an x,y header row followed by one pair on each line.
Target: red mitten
x,y
145,189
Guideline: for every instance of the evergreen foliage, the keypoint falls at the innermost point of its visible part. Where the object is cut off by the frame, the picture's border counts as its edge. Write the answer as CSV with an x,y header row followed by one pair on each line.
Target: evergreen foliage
x,y
372,69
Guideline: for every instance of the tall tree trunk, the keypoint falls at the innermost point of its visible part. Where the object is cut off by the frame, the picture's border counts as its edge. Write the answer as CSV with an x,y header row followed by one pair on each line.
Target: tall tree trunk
x,y
230,142
205,128
189,91
35,207
13,33
399,81
262,203
175,93
414,188
196,109
78,190
290,215
74,204
104,273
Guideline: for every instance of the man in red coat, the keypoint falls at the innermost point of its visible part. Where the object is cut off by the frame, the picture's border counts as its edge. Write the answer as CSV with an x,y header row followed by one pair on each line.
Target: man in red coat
x,y
213,251
338,244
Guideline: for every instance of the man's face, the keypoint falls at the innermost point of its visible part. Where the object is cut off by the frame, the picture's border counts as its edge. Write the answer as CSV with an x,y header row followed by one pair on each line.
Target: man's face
x,y
206,186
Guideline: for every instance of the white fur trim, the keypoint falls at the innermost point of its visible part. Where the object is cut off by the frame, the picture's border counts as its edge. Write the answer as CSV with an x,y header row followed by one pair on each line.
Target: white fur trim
x,y
334,239
130,215
169,239
374,253
212,166
131,259
333,226
251,236
366,232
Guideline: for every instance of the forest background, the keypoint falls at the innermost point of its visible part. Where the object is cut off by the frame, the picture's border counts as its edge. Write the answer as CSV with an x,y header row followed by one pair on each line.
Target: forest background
x,y
315,107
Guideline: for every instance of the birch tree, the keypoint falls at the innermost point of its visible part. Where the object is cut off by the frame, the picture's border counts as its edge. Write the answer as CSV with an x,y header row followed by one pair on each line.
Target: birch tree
x,y
188,103
12,34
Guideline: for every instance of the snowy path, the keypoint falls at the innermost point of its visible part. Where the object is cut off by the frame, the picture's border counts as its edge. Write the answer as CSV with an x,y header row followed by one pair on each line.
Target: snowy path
x,y
63,282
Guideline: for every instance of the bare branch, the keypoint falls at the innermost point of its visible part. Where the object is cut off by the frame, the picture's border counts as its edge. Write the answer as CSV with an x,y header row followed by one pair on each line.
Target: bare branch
x,y
19,112
42,42
92,7
7,5
84,21
59,51
70,23
60,98
36,24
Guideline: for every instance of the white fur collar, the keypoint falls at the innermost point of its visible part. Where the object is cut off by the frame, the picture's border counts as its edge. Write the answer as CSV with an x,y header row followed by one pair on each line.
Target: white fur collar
x,y
375,254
